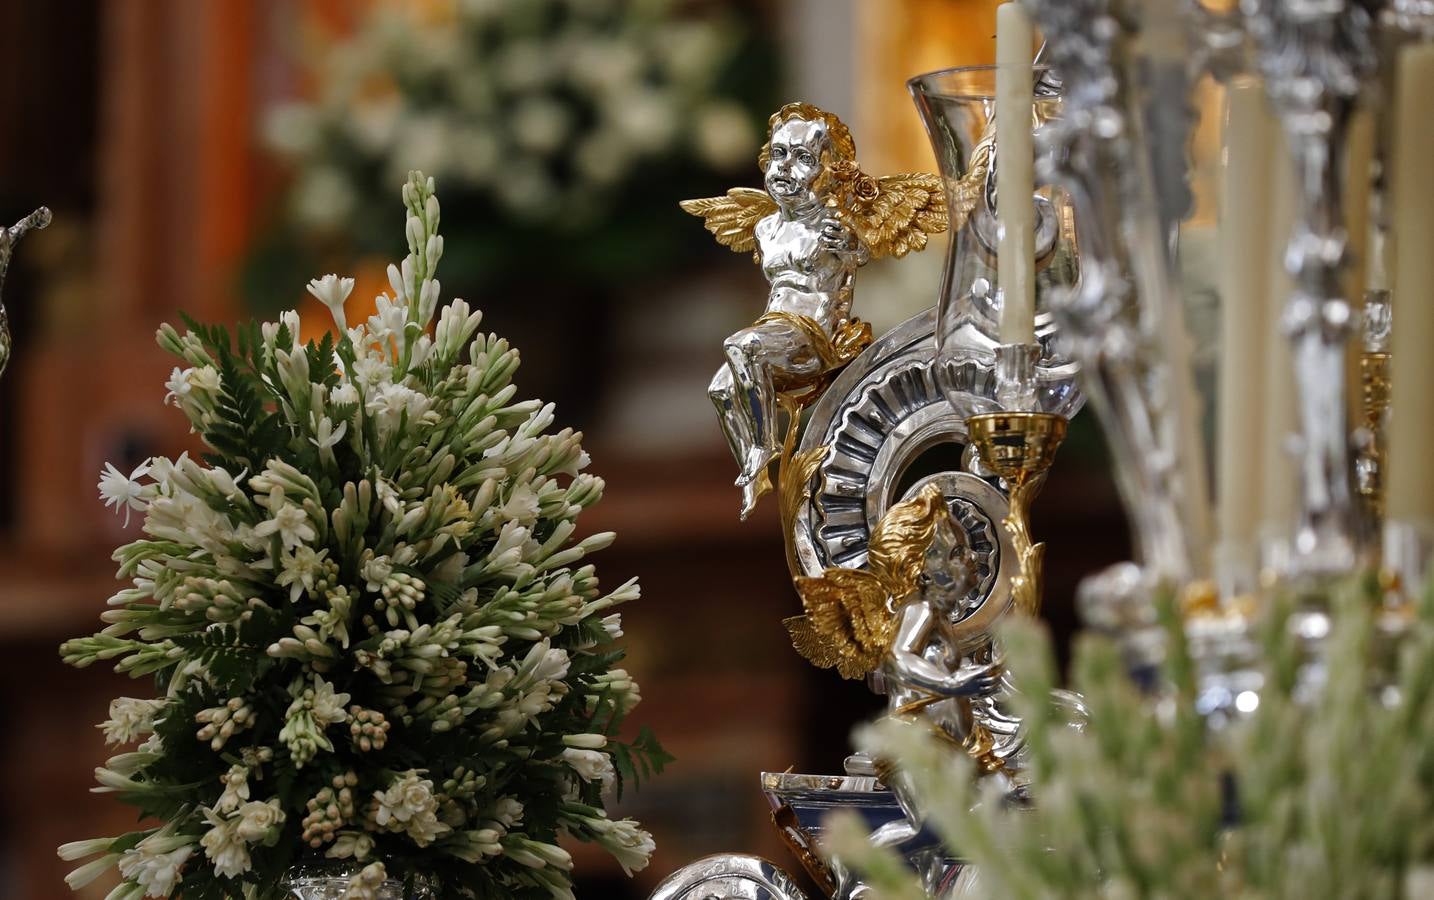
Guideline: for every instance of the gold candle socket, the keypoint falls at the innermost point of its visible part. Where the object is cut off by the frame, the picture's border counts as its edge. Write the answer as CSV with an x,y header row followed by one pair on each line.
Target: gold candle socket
x,y
1020,447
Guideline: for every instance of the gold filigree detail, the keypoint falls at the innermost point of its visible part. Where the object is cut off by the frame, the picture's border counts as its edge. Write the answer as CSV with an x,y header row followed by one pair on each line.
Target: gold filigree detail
x,y
852,337
967,192
1374,378
895,214
794,476
799,844
1200,599
979,743
1020,447
795,470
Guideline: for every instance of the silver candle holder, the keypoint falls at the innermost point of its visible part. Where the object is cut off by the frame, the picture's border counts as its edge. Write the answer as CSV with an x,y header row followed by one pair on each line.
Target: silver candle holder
x,y
1317,60
1113,321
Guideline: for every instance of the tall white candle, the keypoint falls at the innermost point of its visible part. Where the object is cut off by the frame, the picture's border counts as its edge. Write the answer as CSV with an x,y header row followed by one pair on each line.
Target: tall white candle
x,y
1358,187
1015,175
1279,478
1410,485
1245,250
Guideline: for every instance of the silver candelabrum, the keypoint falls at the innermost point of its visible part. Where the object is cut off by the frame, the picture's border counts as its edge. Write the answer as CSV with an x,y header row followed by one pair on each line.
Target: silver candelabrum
x,y
1317,59
1118,320
1121,129
1320,60
1112,160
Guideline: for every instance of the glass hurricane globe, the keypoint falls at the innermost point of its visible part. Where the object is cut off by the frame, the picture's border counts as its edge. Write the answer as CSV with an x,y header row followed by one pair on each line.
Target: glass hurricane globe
x,y
958,108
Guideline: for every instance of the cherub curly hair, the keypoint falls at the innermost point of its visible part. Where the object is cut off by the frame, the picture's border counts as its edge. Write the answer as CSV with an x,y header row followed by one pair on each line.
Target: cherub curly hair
x,y
839,157
897,549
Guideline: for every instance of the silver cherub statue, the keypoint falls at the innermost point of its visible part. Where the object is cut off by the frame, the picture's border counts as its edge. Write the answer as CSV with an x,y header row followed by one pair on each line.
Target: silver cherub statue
x,y
819,220
8,238
934,672
898,617
896,620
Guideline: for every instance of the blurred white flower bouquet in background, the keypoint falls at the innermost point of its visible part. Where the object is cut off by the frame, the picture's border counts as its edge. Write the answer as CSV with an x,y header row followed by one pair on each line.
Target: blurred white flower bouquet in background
x,y
547,120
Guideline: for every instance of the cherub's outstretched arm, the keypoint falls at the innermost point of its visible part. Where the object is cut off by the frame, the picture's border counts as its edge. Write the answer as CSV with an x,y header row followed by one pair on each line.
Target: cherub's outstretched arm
x,y
913,630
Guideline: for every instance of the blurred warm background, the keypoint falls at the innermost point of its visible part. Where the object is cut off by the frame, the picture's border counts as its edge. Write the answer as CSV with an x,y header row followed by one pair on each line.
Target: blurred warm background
x,y
213,155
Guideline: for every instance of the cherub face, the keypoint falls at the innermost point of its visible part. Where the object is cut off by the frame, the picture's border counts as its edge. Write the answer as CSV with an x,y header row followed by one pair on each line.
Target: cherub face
x,y
795,160
950,571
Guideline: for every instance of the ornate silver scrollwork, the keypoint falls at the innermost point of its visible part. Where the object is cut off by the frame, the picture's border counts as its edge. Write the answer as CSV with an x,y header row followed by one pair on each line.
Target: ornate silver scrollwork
x,y
1126,301
885,410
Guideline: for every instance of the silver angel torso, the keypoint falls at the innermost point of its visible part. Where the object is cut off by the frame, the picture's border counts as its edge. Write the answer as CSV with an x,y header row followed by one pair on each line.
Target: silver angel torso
x,y
810,262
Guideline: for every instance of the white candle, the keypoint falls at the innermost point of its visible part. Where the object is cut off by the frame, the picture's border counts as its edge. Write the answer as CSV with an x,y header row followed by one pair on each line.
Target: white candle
x,y
1410,486
1358,187
1245,249
1279,478
1015,175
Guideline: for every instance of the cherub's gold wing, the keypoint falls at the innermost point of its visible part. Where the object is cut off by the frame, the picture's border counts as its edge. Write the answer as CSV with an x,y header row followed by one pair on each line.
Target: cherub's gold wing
x,y
967,192
847,623
734,217
897,216
815,648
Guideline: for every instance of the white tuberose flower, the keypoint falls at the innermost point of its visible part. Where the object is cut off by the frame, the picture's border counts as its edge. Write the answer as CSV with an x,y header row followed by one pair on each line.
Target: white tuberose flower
x,y
409,805
155,862
326,436
390,402
259,820
236,789
130,718
328,708
630,845
300,570
287,520
223,845
178,385
332,291
121,492
591,765
390,318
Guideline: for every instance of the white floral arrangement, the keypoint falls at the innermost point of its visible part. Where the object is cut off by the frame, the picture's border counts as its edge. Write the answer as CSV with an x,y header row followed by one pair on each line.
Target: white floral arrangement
x,y
1324,790
543,107
374,637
